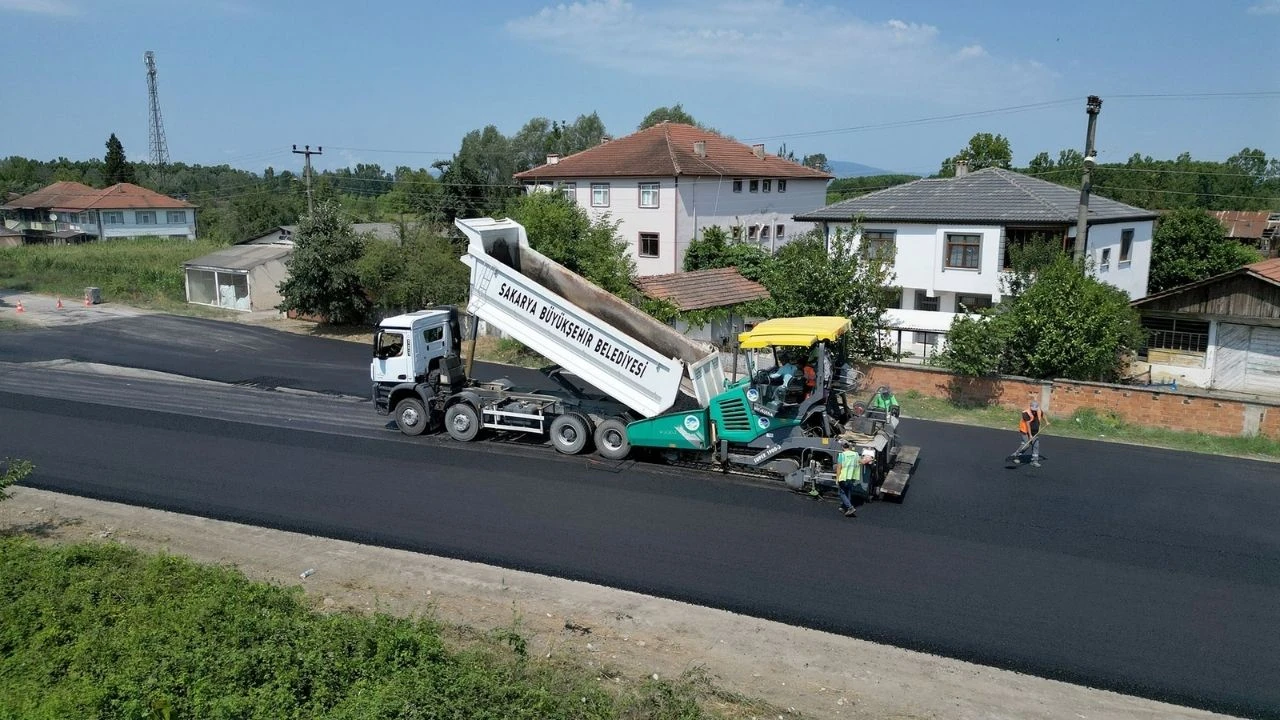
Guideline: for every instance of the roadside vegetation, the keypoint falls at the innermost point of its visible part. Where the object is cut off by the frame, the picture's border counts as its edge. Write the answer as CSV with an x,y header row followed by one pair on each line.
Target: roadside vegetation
x,y
102,630
146,272
1089,424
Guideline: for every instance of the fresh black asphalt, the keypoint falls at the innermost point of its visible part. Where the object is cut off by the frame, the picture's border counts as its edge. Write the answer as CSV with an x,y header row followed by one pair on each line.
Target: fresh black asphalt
x,y
1145,571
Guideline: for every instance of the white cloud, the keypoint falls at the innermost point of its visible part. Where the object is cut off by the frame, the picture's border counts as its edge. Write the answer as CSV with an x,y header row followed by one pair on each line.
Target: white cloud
x,y
1266,7
41,7
781,45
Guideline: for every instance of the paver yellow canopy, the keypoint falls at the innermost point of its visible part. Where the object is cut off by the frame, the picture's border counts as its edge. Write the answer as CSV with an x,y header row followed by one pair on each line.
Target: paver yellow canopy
x,y
794,332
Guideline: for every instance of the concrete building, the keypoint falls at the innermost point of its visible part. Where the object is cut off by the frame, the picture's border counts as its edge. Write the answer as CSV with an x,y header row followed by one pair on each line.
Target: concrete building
x,y
71,211
669,182
951,237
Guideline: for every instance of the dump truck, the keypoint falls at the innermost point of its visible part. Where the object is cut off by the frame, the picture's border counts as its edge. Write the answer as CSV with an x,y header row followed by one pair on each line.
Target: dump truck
x,y
626,384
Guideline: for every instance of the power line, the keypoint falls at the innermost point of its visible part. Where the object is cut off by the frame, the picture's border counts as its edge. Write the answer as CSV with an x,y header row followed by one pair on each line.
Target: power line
x,y
919,121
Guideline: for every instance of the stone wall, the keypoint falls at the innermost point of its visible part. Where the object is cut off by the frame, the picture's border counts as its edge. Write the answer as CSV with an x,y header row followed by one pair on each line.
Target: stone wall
x,y
1183,410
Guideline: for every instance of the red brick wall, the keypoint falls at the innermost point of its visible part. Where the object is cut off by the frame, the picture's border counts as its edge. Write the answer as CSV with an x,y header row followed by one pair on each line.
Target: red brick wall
x,y
1184,411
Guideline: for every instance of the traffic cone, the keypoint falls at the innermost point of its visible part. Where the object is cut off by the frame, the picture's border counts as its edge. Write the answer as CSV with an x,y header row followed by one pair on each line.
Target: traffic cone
x,y
20,309
59,302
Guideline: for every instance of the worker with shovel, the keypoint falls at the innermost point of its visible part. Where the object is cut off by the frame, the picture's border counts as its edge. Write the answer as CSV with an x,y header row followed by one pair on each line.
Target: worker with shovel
x,y
1029,425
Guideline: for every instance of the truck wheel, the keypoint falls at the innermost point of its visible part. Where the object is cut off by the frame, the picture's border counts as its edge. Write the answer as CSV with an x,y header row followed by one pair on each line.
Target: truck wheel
x,y
611,439
462,422
411,416
569,434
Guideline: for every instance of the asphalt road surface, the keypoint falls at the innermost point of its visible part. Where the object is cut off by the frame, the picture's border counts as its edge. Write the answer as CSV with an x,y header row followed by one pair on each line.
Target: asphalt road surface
x,y
1144,571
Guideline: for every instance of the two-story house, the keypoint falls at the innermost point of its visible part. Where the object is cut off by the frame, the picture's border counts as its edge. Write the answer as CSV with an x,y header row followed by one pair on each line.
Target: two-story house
x,y
667,183
71,210
951,239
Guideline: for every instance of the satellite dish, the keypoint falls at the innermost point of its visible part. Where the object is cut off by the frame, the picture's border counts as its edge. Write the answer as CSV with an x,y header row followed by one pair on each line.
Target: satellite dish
x,y
53,217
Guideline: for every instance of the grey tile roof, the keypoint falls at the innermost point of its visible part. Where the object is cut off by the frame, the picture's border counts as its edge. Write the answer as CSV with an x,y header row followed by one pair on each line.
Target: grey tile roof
x,y
990,195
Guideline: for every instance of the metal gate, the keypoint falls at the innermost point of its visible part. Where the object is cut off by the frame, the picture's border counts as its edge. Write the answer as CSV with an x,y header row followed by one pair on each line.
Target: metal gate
x,y
1247,359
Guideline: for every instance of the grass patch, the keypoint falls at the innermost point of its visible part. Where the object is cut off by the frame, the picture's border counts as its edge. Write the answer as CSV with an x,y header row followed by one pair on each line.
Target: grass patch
x,y
145,272
102,630
1090,425
8,324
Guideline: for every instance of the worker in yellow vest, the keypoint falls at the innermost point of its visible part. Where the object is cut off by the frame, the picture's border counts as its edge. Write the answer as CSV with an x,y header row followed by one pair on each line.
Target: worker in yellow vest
x,y
849,468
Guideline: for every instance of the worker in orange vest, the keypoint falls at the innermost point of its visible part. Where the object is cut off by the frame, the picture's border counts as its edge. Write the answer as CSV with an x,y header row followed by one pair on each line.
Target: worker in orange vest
x,y
1029,425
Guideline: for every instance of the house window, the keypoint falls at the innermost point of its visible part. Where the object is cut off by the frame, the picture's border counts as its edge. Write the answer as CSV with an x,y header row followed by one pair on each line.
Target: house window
x,y
963,251
648,195
737,233
893,299
753,232
755,186
737,186
974,302
569,190
113,217
924,302
649,245
145,218
779,232
927,338
1105,263
764,232
599,194
176,217
782,185
768,185
878,244
1188,336
1126,244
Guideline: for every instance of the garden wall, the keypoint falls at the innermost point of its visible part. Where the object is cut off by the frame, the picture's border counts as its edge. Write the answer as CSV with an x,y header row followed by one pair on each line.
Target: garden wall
x,y
1184,410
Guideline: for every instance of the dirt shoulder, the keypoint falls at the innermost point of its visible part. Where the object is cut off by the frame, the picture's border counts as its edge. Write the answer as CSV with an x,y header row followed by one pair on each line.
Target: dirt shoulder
x,y
805,672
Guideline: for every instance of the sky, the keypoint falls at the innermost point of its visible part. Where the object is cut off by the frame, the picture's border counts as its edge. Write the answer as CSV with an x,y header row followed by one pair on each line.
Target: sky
x,y
895,85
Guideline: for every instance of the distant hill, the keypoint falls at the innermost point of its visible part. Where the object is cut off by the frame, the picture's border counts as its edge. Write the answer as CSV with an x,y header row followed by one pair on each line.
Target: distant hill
x,y
844,169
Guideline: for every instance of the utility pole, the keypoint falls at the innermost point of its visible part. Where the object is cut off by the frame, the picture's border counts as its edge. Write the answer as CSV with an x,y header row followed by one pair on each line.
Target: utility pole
x,y
1093,106
308,152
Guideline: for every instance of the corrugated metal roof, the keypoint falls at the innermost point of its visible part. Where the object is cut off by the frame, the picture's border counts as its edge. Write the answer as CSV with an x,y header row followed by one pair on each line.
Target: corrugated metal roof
x,y
701,289
1243,224
66,195
240,257
991,195
667,150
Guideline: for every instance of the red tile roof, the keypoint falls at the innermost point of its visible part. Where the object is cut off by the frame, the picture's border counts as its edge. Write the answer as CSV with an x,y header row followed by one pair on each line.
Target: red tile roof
x,y
76,196
1268,269
702,289
667,150
1243,223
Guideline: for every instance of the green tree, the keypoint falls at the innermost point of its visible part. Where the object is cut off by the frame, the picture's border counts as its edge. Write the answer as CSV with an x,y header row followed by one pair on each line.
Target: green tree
x,y
423,271
560,229
478,180
817,161
845,188
1066,324
715,250
323,276
1190,245
983,151
118,169
674,114
1025,261
811,276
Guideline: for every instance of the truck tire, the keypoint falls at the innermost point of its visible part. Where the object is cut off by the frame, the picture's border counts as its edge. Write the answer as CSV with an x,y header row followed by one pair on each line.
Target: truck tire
x,y
570,433
611,439
411,416
462,421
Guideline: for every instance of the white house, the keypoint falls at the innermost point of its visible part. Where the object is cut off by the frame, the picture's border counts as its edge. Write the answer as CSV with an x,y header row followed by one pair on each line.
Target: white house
x,y
73,210
669,182
952,236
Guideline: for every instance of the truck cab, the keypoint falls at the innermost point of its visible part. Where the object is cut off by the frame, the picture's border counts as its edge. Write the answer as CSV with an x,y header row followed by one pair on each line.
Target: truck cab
x,y
410,351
